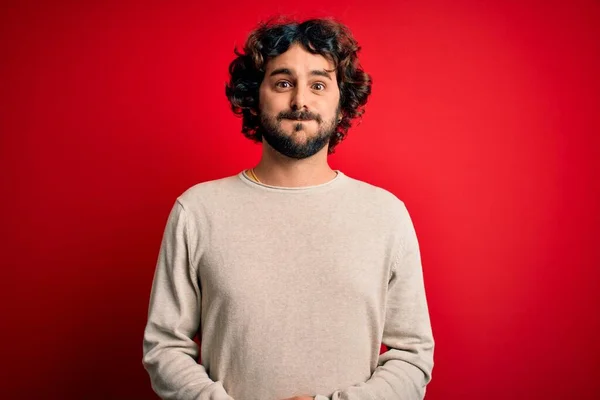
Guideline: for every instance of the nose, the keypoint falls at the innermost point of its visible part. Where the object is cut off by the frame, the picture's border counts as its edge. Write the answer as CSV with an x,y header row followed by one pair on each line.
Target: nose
x,y
298,100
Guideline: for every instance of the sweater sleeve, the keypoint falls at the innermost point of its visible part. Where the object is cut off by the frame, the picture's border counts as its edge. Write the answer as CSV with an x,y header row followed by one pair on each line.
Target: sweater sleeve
x,y
405,369
169,352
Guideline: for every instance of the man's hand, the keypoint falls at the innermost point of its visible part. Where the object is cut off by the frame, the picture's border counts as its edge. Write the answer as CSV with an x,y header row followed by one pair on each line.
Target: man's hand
x,y
300,398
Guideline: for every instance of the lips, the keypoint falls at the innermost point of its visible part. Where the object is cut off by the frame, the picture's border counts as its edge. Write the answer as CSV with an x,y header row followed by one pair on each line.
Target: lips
x,y
299,117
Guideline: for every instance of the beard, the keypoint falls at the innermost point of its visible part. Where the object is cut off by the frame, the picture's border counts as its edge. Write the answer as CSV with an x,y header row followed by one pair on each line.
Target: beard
x,y
284,143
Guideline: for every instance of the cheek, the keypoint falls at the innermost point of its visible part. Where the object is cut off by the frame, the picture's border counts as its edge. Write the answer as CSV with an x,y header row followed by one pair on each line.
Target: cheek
x,y
261,98
268,103
329,108
330,99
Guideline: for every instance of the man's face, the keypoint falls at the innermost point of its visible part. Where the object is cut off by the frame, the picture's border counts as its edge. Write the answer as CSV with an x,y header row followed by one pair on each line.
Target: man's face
x,y
298,103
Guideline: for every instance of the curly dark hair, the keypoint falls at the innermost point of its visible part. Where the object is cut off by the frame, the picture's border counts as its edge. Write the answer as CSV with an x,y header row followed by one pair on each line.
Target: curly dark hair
x,y
325,37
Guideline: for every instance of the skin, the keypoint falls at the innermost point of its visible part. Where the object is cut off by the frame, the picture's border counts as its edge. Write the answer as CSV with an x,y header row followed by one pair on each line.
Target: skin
x,y
298,80
300,398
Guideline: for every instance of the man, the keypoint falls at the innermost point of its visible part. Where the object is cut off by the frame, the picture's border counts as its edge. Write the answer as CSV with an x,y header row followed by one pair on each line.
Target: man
x,y
293,273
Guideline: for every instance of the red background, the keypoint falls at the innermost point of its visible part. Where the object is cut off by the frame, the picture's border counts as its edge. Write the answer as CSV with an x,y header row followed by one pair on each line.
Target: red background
x,y
483,119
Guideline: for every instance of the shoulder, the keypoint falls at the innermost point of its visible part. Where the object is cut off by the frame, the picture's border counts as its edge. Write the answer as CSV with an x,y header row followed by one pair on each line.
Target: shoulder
x,y
373,196
210,192
384,209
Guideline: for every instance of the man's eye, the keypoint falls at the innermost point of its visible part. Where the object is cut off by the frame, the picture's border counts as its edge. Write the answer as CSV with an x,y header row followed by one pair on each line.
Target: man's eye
x,y
283,84
319,86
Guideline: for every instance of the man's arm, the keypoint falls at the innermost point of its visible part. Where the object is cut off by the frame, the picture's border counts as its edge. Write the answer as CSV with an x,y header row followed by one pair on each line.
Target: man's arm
x,y
173,318
405,369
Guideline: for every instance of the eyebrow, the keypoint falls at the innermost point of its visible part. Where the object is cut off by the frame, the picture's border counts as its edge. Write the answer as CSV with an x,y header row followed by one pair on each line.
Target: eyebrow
x,y
287,71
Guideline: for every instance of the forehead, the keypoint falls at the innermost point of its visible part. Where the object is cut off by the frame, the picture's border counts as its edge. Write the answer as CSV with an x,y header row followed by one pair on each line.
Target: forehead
x,y
299,61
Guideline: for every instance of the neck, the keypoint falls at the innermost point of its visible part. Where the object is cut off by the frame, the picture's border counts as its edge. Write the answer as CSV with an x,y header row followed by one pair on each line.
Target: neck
x,y
276,169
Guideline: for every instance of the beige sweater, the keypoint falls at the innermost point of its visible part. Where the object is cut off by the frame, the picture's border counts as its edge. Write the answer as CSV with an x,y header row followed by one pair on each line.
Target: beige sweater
x,y
293,291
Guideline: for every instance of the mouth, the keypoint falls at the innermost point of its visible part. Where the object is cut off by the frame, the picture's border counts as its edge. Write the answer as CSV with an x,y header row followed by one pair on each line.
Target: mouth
x,y
300,119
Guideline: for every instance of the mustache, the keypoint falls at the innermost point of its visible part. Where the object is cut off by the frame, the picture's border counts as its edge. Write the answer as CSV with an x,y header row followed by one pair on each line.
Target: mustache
x,y
299,115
